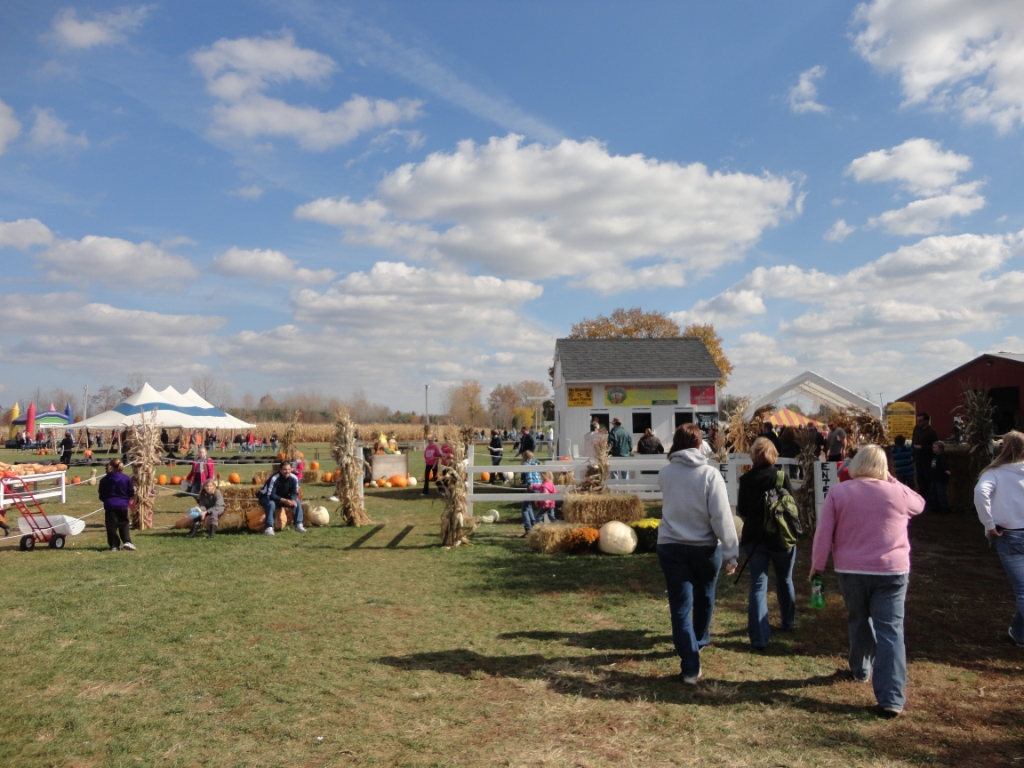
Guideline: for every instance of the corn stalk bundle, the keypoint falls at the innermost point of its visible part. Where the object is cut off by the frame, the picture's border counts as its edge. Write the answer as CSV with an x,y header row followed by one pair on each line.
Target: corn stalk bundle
x,y
289,438
977,411
870,429
144,455
455,528
719,447
597,471
804,495
741,434
350,472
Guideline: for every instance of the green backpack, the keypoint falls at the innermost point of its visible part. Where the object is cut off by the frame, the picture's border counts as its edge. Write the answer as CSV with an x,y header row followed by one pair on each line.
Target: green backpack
x,y
781,517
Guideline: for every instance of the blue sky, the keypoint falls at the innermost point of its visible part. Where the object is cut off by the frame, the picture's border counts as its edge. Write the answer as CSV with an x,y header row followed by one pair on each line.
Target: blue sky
x,y
295,196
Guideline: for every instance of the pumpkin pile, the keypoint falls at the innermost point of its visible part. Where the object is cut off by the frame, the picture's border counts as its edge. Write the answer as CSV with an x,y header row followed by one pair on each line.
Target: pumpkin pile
x,y
20,470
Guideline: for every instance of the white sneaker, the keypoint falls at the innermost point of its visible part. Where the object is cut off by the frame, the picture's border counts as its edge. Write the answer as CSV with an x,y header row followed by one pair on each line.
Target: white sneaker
x,y
299,528
334,498
268,531
129,546
693,679
115,549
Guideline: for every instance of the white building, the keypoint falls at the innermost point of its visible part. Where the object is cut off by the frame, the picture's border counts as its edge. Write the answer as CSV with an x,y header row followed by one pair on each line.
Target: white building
x,y
648,383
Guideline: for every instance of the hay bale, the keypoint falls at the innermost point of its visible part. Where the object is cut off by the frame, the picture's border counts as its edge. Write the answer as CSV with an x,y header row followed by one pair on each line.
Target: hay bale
x,y
232,521
596,509
548,538
312,476
240,498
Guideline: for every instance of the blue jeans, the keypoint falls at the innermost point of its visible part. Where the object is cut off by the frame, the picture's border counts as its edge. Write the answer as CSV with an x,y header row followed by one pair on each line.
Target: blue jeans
x,y
941,496
691,574
1010,547
758,628
528,519
876,603
269,506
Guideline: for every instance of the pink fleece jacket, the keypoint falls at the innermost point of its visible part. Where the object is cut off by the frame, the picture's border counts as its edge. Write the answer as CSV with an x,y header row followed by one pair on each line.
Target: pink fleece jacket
x,y
546,487
864,526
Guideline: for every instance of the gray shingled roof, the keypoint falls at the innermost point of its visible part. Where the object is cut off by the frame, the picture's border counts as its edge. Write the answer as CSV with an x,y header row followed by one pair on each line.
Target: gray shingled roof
x,y
635,359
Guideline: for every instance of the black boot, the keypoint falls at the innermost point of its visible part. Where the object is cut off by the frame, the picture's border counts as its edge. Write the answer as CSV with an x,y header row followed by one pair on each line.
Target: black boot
x,y
213,530
193,530
7,529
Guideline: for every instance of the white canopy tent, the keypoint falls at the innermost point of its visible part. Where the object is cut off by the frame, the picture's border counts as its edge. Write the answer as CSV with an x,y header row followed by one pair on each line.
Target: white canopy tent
x,y
821,391
171,408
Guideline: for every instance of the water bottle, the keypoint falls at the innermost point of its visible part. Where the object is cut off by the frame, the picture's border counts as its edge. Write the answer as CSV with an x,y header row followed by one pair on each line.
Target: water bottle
x,y
817,592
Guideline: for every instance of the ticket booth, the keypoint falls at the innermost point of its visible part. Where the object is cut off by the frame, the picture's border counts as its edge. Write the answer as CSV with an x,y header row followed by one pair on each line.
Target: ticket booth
x,y
656,384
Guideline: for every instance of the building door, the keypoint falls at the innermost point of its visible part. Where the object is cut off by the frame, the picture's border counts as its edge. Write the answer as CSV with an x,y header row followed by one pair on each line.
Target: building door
x,y
1006,401
683,417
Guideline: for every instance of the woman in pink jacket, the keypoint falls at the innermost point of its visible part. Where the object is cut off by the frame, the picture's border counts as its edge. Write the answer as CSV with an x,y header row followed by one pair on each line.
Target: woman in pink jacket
x,y
863,525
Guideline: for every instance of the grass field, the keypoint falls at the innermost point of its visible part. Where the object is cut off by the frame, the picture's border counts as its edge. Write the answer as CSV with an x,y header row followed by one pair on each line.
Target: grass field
x,y
374,646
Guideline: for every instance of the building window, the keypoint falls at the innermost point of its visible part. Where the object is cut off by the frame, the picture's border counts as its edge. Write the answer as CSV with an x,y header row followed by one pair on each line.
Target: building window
x,y
600,418
641,421
683,417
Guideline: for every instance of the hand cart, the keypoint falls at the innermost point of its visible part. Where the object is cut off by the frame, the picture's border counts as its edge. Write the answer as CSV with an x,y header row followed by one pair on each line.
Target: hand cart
x,y
35,524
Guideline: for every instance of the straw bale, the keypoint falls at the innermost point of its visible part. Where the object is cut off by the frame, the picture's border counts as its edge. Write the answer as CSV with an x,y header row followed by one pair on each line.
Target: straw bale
x,y
597,509
548,538
232,521
312,476
240,498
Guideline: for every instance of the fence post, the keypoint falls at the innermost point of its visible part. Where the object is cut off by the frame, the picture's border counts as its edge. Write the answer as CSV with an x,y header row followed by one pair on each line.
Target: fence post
x,y
470,478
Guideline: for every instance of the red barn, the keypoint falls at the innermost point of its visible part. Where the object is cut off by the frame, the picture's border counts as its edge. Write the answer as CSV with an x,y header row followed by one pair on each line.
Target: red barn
x,y
1001,373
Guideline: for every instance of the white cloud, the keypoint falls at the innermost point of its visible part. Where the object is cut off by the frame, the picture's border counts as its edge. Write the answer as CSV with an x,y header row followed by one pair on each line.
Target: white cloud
x,y
920,165
251,192
9,127
962,56
67,332
174,242
950,351
24,233
114,261
568,210
1012,344
925,217
803,97
932,290
839,231
728,309
267,266
47,131
239,71
101,29
923,169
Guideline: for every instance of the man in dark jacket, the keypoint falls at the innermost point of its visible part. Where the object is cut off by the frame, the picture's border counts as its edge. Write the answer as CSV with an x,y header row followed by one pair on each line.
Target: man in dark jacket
x,y
281,490
497,450
923,439
526,442
620,444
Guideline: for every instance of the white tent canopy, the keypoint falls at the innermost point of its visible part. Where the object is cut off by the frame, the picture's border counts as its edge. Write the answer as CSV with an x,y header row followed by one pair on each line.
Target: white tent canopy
x,y
821,391
171,408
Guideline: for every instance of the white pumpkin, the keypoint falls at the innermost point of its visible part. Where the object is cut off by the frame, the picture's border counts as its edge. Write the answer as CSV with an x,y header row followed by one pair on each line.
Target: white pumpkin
x,y
617,538
491,516
318,516
412,482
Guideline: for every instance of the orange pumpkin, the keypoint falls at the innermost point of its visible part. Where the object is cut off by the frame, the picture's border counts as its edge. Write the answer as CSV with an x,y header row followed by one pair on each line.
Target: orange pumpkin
x,y
76,480
327,478
175,480
281,455
485,477
382,482
398,481
162,480
314,465
300,454
234,478
366,485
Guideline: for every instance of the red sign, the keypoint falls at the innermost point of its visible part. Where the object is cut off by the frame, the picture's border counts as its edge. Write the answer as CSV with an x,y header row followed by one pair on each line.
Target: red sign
x,y
702,395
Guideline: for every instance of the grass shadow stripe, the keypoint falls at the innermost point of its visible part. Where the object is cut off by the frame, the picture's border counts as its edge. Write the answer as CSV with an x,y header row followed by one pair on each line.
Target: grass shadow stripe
x,y
365,537
393,544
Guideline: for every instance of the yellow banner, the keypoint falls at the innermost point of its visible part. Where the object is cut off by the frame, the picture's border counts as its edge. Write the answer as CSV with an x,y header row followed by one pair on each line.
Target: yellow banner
x,y
901,418
581,397
641,394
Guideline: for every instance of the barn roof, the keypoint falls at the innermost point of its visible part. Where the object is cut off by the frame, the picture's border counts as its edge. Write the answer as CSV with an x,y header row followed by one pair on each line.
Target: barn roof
x,y
1013,357
600,360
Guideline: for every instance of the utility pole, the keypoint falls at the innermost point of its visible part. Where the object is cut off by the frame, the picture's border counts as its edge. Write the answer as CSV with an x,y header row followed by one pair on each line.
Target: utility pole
x,y
85,403
426,403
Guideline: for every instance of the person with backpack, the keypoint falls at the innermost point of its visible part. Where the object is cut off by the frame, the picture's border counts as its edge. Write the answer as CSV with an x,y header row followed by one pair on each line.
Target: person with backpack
x,y
766,541
863,525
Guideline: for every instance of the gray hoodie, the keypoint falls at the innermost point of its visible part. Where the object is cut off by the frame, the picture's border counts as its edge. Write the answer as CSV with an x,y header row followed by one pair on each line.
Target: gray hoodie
x,y
695,505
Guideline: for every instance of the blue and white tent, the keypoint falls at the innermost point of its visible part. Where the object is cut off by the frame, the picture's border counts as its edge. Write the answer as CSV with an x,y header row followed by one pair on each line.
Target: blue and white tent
x,y
171,409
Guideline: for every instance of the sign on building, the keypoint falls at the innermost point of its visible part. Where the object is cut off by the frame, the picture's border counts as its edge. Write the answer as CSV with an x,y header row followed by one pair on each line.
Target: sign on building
x,y
581,397
641,394
702,395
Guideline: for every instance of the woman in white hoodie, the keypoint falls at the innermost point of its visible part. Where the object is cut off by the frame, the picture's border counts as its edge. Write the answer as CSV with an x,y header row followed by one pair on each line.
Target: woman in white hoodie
x,y
999,499
695,535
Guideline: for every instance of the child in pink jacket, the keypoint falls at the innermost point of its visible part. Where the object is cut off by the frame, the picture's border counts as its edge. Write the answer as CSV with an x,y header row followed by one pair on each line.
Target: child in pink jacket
x,y
546,507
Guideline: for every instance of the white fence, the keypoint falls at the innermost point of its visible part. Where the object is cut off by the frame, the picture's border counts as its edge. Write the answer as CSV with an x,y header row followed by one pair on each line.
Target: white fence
x,y
16,484
635,481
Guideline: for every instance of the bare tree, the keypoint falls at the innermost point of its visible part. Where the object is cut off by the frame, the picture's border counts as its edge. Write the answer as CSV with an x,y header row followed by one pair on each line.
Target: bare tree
x,y
136,379
205,386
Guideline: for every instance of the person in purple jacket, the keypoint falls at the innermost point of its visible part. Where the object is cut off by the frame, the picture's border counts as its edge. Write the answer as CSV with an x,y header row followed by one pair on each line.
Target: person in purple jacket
x,y
116,492
863,525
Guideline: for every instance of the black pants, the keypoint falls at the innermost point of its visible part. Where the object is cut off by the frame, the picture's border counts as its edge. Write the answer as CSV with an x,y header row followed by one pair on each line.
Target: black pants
x,y
924,479
117,523
431,472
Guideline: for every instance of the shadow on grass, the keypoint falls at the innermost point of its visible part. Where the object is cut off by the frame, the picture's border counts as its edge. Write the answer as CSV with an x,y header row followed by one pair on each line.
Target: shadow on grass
x,y
598,640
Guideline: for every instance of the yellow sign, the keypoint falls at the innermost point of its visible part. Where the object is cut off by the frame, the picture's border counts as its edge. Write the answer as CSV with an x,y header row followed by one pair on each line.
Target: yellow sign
x,y
641,394
581,397
900,418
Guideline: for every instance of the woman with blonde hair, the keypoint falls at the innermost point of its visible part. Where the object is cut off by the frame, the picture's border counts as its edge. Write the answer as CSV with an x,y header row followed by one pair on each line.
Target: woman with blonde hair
x,y
753,486
999,499
863,525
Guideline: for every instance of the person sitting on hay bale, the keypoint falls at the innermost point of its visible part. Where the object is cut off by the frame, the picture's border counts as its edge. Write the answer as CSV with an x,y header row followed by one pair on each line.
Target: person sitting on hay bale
x,y
281,490
210,505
